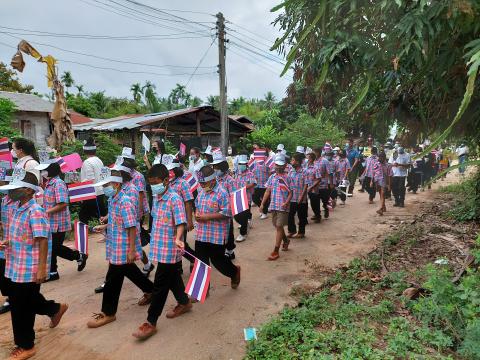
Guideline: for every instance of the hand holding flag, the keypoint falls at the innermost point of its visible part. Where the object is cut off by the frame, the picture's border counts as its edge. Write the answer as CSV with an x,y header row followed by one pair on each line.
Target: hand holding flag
x,y
239,201
198,284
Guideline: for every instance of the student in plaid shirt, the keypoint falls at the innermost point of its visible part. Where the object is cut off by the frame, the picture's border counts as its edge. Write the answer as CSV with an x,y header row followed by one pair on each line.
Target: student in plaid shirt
x,y
382,174
262,173
55,202
166,245
244,178
220,165
122,248
311,173
323,183
368,173
343,169
279,193
213,217
28,247
298,204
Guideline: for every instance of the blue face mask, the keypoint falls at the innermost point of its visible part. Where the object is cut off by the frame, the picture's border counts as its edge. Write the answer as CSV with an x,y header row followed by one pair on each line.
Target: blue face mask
x,y
329,158
219,173
109,191
242,168
158,189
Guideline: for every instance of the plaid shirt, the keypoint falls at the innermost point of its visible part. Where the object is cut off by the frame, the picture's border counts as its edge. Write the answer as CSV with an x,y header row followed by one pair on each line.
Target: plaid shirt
x,y
228,183
342,166
181,187
370,165
121,216
323,171
132,191
56,192
140,184
310,174
8,209
168,212
29,222
297,180
261,172
244,179
280,186
216,201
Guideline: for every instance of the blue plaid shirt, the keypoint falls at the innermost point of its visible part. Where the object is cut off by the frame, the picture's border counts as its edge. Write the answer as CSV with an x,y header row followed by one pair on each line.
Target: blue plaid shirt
x,y
261,172
280,187
168,211
297,183
181,187
228,183
56,192
8,209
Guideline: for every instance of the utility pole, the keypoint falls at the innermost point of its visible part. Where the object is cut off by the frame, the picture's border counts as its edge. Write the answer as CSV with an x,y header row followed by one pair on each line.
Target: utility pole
x,y
224,131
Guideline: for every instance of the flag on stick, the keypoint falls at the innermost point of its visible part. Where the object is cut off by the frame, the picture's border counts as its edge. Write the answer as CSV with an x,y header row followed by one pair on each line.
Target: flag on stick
x,y
199,281
183,149
63,164
192,182
4,149
239,201
259,155
81,237
81,191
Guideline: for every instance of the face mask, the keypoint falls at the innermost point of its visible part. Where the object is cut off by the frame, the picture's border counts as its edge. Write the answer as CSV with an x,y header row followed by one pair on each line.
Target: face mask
x,y
219,173
158,189
109,191
14,154
192,157
242,168
16,194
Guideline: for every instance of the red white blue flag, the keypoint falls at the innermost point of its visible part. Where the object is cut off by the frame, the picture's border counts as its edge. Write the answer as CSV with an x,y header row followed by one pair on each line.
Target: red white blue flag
x,y
63,164
251,164
259,155
183,149
192,182
4,149
239,201
199,281
81,237
81,191
283,185
270,162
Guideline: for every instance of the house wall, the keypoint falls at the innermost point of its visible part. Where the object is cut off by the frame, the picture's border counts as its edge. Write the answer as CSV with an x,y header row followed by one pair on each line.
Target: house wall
x,y
34,126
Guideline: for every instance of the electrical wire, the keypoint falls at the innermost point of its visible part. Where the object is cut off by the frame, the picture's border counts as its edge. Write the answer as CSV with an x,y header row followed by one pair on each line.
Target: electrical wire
x,y
251,32
273,57
256,53
200,62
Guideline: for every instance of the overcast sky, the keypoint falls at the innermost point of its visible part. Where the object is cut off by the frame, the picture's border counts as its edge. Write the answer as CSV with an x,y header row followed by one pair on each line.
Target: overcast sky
x,y
248,74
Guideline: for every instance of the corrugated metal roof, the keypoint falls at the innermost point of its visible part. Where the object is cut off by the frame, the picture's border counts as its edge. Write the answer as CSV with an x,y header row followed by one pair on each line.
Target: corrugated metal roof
x,y
28,102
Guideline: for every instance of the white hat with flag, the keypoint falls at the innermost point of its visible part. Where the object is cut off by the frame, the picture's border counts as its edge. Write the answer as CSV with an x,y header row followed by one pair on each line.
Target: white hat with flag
x,y
169,161
107,177
18,182
242,159
280,159
218,158
128,153
280,147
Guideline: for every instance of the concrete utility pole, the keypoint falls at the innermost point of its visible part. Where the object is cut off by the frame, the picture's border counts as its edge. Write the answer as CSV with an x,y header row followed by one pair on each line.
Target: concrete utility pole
x,y
222,82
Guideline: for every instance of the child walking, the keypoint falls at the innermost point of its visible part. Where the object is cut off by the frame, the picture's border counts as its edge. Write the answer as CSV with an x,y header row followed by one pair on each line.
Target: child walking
x,y
244,178
298,203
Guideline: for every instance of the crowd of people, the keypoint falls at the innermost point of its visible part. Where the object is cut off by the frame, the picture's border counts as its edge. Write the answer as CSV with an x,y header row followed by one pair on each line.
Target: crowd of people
x,y
160,208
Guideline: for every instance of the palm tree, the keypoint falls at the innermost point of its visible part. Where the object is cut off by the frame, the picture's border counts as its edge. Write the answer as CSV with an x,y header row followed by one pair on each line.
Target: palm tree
x,y
150,97
137,92
213,100
269,100
79,89
67,79
179,97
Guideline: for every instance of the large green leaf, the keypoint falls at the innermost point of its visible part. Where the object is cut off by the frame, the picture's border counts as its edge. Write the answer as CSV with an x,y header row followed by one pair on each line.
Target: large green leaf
x,y
360,97
323,76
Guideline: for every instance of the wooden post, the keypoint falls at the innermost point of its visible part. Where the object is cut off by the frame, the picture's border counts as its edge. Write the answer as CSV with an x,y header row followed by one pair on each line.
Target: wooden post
x,y
199,129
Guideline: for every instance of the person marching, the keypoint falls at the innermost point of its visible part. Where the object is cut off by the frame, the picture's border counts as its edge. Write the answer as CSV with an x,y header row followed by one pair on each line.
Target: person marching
x,y
28,246
261,172
343,170
310,175
370,164
279,193
195,161
169,220
298,203
122,246
400,165
323,181
353,156
55,202
213,219
244,178
220,165
383,180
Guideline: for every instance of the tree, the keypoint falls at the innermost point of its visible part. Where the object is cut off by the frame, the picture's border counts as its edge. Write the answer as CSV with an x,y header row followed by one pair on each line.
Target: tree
x,y
214,100
137,92
9,81
269,100
7,109
151,100
80,90
67,80
196,101
179,97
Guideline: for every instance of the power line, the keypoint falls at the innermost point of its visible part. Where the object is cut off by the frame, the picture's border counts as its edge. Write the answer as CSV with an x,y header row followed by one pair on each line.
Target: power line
x,y
200,62
251,32
269,45
273,57
256,53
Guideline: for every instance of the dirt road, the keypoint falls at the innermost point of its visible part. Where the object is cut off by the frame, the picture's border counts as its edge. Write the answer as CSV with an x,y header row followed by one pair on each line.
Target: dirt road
x,y
213,330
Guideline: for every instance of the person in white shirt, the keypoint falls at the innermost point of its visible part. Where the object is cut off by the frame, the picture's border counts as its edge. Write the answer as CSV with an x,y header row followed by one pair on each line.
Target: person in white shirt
x,y
24,151
462,153
91,170
195,161
401,162
158,147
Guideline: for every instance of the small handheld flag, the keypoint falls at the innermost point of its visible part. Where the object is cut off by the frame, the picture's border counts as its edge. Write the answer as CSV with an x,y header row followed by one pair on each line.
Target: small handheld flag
x,y
183,149
63,164
283,185
239,201
4,149
198,284
270,162
81,191
192,182
259,155
81,237
251,164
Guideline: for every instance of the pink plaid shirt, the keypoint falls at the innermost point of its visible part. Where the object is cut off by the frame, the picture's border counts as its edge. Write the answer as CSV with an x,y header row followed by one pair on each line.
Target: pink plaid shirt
x,y
181,187
280,186
168,211
323,171
56,192
262,173
370,165
244,179
310,174
342,166
216,201
121,216
140,184
29,222
228,183
8,209
297,182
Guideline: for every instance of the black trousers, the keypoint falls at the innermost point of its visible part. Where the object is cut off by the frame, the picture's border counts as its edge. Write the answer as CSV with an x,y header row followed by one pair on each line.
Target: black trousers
x,y
301,211
231,238
242,219
26,301
168,277
371,190
188,248
216,254
398,189
58,249
114,282
315,203
258,197
324,195
89,210
4,282
343,193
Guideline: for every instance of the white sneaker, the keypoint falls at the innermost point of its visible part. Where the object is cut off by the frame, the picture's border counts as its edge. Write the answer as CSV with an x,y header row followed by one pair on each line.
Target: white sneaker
x,y
263,216
241,238
349,195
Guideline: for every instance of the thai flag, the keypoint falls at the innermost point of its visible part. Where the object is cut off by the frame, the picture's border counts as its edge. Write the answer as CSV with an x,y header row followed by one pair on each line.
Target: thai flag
x,y
199,281
270,162
251,164
81,237
81,191
259,155
183,149
4,149
192,182
63,164
239,201
283,185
